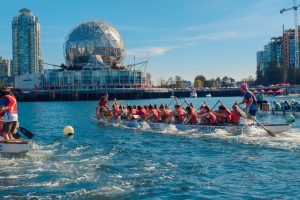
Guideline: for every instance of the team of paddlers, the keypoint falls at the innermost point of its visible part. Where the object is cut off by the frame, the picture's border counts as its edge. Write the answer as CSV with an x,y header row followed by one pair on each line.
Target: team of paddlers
x,y
163,114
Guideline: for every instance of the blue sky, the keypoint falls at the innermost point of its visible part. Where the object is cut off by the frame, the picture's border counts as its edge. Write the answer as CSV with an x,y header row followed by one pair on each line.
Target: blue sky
x,y
181,37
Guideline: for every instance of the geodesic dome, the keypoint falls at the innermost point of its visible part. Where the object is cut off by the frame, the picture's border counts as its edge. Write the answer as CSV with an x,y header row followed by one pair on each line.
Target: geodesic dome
x,y
93,39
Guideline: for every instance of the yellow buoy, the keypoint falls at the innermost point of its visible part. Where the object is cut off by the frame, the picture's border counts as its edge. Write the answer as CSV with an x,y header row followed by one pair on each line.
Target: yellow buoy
x,y
68,131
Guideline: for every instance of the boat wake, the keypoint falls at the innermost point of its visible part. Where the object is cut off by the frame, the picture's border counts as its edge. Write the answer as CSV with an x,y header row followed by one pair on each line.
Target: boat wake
x,y
251,135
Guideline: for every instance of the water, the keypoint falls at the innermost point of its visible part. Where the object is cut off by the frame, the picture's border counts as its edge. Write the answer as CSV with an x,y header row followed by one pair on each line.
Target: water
x,y
114,163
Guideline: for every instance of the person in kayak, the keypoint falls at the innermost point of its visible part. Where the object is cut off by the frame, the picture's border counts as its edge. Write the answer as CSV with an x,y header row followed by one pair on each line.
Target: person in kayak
x,y
249,99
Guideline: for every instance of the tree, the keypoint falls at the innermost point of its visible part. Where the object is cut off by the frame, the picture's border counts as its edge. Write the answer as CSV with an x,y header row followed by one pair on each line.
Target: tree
x,y
199,81
161,82
272,74
249,80
217,82
209,83
225,81
170,82
178,82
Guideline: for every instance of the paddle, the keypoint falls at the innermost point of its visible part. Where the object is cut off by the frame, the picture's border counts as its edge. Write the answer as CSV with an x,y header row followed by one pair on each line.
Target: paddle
x,y
268,131
171,101
180,104
213,106
188,103
27,133
227,110
211,109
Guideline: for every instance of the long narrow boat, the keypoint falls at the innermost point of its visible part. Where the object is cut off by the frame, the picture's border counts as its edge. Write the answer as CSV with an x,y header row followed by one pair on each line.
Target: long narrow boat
x,y
15,146
279,112
235,129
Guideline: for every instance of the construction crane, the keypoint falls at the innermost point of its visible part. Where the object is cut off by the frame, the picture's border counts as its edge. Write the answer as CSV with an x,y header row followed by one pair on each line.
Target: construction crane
x,y
295,8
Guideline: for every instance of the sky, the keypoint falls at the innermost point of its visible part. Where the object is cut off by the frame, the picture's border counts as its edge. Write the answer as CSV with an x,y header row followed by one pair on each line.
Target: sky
x,y
214,38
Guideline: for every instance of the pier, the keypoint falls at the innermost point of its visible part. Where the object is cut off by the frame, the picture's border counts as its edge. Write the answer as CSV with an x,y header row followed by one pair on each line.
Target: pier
x,y
119,93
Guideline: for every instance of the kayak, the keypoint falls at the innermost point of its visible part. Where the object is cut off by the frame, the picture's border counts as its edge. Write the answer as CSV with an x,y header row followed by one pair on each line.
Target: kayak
x,y
15,146
235,129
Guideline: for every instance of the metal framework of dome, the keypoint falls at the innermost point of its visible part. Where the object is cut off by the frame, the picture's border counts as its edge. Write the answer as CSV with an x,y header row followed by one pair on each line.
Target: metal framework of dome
x,y
94,39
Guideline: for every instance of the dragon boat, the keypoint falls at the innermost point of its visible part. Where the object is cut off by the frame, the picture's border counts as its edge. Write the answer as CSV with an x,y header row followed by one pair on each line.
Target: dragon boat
x,y
279,112
234,129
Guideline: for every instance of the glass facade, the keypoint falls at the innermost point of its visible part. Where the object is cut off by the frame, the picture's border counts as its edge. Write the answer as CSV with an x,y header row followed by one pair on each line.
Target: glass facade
x,y
95,78
26,44
272,52
94,41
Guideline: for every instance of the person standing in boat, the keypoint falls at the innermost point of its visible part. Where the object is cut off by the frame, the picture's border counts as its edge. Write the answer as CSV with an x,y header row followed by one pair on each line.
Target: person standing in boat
x,y
249,99
260,99
8,105
102,105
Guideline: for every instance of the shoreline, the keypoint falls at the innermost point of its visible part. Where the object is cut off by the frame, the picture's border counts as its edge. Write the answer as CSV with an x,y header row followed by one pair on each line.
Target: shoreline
x,y
122,94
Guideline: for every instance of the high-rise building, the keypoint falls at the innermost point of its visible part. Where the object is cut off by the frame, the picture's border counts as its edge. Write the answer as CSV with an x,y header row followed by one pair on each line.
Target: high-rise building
x,y
4,70
272,53
26,44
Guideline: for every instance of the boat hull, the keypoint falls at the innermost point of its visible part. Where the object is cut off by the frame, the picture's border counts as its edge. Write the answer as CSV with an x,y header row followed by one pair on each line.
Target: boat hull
x,y
235,129
15,147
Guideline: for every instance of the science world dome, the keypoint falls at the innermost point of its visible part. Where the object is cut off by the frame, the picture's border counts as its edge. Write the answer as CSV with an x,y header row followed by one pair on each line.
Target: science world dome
x,y
94,42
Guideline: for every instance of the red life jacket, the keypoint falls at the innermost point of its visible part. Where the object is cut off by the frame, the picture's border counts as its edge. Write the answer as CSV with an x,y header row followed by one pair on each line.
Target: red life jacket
x,y
223,119
235,116
194,120
252,96
12,104
166,113
142,112
179,115
155,114
133,111
116,111
211,119
103,103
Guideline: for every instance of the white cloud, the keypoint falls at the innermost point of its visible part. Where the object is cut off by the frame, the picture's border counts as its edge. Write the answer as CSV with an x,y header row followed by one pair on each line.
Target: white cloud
x,y
154,51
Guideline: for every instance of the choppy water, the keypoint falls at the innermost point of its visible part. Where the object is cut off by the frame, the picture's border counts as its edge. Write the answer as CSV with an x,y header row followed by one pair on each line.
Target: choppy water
x,y
114,163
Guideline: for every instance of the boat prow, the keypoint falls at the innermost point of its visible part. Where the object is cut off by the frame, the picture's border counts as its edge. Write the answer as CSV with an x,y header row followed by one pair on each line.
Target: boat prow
x,y
15,146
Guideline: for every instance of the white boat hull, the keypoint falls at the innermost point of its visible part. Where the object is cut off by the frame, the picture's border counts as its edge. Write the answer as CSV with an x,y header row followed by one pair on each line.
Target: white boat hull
x,y
15,147
236,129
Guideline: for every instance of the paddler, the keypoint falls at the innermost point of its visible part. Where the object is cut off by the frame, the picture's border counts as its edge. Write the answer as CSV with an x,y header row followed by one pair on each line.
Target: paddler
x,y
206,115
191,115
152,114
249,99
223,115
165,112
235,115
178,114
